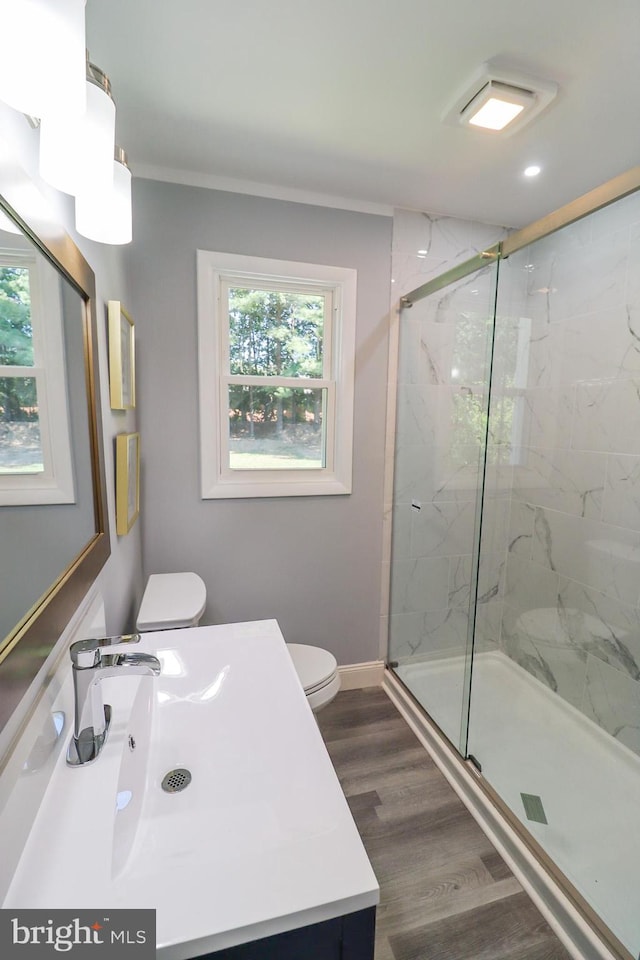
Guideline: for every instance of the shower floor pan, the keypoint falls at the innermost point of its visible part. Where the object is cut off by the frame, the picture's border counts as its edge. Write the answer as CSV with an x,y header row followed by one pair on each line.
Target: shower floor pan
x,y
530,741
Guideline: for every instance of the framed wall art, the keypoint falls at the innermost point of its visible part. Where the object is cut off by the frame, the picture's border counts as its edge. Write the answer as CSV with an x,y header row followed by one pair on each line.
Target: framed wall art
x,y
122,377
127,481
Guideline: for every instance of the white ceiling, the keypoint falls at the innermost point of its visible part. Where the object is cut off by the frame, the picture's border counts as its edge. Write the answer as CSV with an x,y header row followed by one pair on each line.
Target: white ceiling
x,y
345,97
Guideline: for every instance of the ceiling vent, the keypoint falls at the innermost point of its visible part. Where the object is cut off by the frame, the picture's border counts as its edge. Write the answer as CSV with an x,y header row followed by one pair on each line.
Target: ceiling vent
x,y
500,100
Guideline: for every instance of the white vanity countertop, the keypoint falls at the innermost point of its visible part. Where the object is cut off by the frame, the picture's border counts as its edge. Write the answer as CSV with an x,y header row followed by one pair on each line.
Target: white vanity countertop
x,y
262,840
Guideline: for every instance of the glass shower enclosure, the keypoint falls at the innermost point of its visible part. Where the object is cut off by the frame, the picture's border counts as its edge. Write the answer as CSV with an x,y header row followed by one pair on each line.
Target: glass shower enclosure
x,y
515,560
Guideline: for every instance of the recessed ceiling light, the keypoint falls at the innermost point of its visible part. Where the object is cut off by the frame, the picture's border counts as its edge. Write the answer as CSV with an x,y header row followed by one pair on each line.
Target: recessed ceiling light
x,y
499,99
532,171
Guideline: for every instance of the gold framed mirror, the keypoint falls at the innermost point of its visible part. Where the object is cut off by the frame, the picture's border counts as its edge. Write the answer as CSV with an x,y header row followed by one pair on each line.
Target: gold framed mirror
x,y
54,530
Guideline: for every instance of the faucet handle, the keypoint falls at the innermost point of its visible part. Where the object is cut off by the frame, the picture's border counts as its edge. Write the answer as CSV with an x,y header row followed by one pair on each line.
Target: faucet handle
x,y
86,653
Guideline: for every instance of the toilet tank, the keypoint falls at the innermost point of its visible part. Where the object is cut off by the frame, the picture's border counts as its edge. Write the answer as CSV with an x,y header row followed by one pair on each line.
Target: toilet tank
x,y
170,601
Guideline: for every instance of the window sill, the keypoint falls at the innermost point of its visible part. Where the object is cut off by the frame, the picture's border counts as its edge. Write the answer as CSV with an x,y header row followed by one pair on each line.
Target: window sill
x,y
233,488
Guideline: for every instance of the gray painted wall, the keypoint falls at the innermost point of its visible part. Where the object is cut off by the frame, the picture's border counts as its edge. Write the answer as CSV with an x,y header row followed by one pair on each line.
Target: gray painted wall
x,y
311,562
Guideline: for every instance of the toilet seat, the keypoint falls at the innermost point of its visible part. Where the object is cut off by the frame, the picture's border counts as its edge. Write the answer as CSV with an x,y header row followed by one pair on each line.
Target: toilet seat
x,y
315,667
170,601
317,671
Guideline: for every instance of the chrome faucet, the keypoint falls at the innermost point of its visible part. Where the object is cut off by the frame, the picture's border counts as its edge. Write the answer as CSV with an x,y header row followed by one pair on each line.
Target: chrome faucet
x,y
90,666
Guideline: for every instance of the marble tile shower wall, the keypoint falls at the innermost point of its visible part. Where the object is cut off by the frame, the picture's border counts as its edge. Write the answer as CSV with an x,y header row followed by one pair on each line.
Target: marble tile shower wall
x,y
437,376
572,581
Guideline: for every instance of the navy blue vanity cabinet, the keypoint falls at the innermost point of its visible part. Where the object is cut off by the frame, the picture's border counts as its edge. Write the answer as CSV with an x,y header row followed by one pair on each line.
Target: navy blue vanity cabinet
x,y
344,938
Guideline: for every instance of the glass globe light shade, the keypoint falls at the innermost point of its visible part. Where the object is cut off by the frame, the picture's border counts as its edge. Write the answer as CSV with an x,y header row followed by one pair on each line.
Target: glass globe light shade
x,y
106,216
42,67
76,153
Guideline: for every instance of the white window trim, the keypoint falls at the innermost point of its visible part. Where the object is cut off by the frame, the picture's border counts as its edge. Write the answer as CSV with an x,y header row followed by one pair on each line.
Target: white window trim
x,y
217,480
55,484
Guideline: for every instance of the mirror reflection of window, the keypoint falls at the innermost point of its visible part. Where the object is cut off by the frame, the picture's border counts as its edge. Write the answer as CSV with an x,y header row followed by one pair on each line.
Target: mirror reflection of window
x,y
35,445
20,443
51,546
47,513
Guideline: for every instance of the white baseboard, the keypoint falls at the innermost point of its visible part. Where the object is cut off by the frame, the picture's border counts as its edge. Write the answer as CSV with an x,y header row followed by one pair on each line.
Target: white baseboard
x,y
356,676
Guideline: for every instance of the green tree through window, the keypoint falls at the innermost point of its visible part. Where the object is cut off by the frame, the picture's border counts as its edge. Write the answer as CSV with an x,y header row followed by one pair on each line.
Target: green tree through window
x,y
20,442
275,334
17,394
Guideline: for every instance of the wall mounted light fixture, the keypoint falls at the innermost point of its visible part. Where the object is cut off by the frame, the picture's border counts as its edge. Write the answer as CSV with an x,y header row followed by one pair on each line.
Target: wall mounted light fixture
x,y
500,100
42,63
76,153
45,73
105,215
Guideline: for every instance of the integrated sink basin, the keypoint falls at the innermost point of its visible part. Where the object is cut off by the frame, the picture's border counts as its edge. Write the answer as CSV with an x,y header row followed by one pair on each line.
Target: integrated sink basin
x,y
213,801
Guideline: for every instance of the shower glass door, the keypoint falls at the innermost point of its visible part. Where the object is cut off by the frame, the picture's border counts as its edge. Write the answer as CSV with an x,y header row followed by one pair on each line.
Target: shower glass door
x,y
555,696
444,365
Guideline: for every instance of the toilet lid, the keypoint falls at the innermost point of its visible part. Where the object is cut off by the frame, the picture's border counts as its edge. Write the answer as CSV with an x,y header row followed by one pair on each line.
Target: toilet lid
x,y
171,600
314,666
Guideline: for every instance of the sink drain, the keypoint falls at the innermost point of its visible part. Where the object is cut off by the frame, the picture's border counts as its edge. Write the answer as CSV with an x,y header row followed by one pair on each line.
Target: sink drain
x,y
176,780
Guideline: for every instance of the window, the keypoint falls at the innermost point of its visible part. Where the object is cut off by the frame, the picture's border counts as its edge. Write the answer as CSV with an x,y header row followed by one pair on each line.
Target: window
x,y
276,360
35,448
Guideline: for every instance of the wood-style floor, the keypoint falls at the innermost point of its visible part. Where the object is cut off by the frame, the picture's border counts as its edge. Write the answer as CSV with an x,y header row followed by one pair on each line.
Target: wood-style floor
x,y
445,894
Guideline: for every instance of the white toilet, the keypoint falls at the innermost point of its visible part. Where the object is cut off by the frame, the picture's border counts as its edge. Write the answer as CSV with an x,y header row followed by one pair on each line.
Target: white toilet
x,y
174,600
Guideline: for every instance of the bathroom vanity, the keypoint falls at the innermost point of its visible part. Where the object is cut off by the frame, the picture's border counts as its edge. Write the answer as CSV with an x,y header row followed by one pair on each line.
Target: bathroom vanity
x,y
256,857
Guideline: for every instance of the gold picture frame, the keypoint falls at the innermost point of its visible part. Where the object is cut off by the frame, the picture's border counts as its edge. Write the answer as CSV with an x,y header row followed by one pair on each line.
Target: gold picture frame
x,y
127,481
122,375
